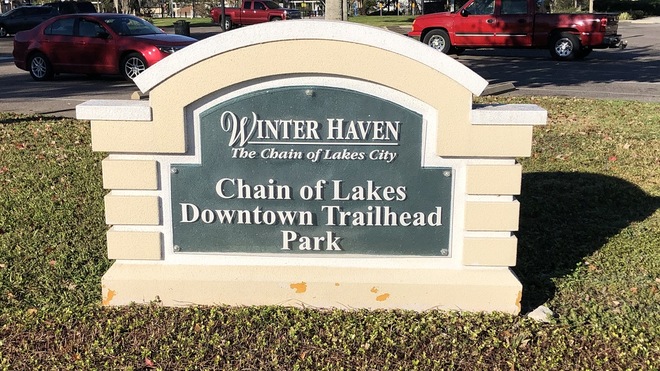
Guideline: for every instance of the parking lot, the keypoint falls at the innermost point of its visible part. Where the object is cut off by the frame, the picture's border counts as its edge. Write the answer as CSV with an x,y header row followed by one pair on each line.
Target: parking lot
x,y
630,74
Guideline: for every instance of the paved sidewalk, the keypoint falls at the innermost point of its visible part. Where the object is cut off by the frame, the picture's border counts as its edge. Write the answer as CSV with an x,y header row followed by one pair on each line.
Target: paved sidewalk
x,y
648,20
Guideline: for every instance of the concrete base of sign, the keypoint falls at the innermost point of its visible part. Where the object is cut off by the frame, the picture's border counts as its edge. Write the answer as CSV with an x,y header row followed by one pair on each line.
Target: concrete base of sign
x,y
495,289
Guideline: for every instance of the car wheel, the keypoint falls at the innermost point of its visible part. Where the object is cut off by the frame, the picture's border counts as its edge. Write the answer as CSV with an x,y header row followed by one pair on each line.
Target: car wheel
x,y
132,65
275,19
439,40
40,67
564,46
3,31
228,24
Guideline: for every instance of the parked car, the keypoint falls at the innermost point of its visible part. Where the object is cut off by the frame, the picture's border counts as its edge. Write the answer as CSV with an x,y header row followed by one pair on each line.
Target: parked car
x,y
24,18
518,24
71,7
253,12
100,43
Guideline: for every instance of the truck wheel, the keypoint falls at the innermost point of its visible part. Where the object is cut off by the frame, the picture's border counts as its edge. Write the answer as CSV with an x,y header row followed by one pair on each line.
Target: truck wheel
x,y
3,31
40,67
275,19
439,40
228,24
564,46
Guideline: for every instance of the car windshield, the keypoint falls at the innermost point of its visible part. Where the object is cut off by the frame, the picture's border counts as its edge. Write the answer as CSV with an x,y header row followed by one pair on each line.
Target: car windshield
x,y
271,5
132,26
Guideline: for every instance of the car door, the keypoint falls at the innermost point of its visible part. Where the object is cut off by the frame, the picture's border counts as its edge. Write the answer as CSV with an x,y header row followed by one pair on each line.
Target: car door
x,y
260,12
515,23
57,44
247,13
476,27
94,48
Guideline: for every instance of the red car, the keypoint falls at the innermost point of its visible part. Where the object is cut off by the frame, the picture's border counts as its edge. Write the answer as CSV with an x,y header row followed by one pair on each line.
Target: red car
x,y
93,44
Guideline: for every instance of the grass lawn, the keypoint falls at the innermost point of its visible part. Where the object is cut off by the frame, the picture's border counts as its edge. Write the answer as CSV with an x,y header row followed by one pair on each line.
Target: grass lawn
x,y
383,21
589,249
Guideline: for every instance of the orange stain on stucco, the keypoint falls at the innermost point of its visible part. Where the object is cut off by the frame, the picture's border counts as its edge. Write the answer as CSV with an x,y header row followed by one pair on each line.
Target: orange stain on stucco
x,y
299,287
108,299
374,290
382,297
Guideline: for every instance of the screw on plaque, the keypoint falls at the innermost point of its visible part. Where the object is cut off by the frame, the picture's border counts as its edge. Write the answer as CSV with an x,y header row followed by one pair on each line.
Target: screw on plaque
x,y
446,173
177,248
310,93
174,170
444,252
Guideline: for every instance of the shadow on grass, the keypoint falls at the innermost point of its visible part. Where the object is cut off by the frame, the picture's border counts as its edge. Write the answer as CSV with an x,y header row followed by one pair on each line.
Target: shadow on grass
x,y
12,119
567,216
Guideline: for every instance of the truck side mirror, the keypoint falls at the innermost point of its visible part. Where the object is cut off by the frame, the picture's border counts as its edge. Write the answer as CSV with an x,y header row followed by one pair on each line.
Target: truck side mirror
x,y
464,13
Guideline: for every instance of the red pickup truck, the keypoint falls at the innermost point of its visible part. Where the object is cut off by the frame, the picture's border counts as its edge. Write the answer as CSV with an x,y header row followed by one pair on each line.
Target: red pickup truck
x,y
517,24
252,12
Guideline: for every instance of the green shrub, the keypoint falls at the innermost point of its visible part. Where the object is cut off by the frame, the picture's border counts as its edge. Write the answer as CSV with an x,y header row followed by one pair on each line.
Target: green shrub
x,y
641,7
625,16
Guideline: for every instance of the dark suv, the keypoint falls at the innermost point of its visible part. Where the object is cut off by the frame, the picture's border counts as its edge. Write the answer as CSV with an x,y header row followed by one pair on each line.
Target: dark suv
x,y
71,7
24,18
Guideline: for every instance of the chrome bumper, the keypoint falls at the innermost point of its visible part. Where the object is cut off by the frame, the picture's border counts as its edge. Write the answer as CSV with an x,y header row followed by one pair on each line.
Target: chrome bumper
x,y
614,41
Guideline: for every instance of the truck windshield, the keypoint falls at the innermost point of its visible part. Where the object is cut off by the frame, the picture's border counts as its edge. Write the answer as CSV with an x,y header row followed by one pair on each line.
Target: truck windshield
x,y
457,4
481,7
271,5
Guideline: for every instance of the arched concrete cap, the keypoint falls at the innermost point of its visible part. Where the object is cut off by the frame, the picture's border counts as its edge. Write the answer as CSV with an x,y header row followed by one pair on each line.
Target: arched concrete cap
x,y
310,30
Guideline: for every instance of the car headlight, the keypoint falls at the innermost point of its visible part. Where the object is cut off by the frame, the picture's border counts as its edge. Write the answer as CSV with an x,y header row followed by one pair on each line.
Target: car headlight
x,y
169,49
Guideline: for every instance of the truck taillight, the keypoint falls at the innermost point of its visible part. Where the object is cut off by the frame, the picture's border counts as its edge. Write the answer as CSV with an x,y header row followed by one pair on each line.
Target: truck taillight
x,y
603,24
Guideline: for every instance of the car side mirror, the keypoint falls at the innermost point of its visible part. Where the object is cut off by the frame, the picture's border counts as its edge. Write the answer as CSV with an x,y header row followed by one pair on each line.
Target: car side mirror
x,y
464,13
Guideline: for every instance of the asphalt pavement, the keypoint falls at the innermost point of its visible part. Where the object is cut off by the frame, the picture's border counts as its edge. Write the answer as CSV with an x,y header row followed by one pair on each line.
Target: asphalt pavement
x,y
630,74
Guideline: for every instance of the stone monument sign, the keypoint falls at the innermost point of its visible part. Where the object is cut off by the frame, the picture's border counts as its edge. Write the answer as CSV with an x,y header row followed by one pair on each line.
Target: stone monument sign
x,y
315,163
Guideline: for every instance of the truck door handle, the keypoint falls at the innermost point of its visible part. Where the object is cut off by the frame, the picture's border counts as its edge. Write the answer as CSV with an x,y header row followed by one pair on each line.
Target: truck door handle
x,y
490,21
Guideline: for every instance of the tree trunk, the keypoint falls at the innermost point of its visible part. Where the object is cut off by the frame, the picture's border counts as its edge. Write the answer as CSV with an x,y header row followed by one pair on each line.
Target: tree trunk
x,y
334,10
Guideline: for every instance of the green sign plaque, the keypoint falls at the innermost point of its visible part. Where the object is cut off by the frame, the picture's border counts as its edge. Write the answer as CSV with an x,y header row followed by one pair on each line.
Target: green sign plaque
x,y
311,169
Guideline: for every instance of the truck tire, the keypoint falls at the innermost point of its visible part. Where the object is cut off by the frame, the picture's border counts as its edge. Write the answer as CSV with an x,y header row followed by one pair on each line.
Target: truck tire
x,y
275,19
3,31
564,46
228,23
439,40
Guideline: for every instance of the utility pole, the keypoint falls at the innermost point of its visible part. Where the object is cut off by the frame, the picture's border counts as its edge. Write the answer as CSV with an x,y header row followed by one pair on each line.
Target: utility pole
x,y
223,17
